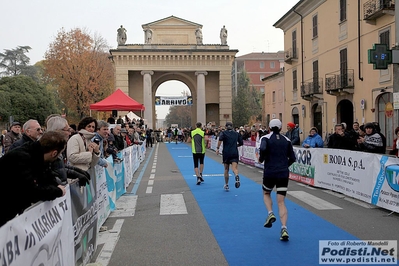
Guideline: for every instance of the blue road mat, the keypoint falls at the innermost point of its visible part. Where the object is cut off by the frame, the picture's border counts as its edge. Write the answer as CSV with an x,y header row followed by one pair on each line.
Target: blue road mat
x,y
236,218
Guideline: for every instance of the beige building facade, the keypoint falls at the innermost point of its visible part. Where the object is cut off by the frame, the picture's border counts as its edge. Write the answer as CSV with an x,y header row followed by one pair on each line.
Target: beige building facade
x,y
327,75
173,50
274,103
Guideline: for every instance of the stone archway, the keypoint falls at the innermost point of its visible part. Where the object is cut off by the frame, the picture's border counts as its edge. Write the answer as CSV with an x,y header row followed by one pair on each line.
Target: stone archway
x,y
173,53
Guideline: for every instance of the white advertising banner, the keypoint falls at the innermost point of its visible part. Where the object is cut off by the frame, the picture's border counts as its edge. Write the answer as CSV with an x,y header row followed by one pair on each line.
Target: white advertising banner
x,y
40,236
348,172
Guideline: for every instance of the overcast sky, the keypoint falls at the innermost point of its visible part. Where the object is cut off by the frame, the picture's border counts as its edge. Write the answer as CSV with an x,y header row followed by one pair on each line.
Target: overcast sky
x,y
36,22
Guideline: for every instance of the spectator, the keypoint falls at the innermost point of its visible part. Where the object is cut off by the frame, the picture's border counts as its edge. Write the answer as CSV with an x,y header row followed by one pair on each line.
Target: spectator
x,y
354,135
383,149
123,134
293,133
101,139
340,140
12,136
395,145
29,172
119,143
111,120
111,149
81,151
2,137
58,168
253,135
73,129
119,121
148,134
314,140
372,141
32,132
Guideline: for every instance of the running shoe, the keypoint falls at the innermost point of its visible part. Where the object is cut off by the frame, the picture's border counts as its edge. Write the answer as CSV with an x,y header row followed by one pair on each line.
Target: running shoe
x,y
270,220
237,184
198,180
226,187
202,180
284,234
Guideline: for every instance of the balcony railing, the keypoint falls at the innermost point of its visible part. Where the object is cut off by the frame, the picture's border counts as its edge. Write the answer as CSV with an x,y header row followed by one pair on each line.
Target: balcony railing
x,y
290,54
374,9
340,81
313,88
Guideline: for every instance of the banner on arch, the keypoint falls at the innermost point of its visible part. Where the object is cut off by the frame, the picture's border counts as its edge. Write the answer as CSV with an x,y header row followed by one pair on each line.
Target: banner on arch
x,y
173,100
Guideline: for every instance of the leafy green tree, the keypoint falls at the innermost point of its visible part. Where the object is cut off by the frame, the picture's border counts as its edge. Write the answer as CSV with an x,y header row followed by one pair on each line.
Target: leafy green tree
x,y
241,101
15,61
24,99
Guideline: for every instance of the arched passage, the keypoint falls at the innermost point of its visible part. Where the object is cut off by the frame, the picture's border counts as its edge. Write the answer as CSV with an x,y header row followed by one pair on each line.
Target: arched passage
x,y
317,118
345,113
170,88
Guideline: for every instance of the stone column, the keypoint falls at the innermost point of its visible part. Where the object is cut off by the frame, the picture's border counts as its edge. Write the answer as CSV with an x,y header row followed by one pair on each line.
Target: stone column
x,y
147,96
201,103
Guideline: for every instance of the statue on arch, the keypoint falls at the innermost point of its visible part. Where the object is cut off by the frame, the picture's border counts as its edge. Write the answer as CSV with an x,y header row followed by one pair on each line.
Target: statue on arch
x,y
223,35
122,36
148,35
198,35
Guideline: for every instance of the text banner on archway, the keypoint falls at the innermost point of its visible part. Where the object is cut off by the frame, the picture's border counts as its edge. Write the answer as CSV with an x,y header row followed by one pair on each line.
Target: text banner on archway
x,y
173,100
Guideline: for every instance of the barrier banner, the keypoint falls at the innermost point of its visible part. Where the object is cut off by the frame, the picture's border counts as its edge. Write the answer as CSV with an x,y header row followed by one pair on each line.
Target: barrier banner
x,y
115,181
128,161
385,191
347,172
135,158
84,219
103,204
248,152
303,170
40,235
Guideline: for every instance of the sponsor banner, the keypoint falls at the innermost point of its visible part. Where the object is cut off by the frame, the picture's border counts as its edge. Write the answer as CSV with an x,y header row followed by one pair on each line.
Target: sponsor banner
x,y
114,174
128,161
303,170
39,236
102,196
372,178
347,172
135,158
84,219
174,100
364,252
385,191
248,152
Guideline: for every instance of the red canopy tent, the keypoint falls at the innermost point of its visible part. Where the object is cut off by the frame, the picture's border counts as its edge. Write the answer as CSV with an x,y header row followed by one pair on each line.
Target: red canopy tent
x,y
117,101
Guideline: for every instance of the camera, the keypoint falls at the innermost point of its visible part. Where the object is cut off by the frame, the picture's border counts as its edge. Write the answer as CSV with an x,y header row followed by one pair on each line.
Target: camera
x,y
96,141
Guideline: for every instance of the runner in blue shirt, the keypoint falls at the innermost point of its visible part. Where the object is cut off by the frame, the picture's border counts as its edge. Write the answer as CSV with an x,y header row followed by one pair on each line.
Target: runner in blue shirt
x,y
231,141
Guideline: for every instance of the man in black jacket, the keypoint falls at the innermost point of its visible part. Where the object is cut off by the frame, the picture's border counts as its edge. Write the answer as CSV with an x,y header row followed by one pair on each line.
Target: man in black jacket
x,y
27,171
32,132
340,139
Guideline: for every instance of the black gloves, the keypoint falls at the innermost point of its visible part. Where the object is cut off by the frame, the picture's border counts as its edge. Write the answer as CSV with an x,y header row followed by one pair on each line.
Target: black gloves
x,y
77,173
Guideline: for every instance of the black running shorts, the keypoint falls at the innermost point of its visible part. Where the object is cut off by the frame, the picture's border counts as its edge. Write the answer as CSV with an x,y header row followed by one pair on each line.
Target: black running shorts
x,y
281,185
200,157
